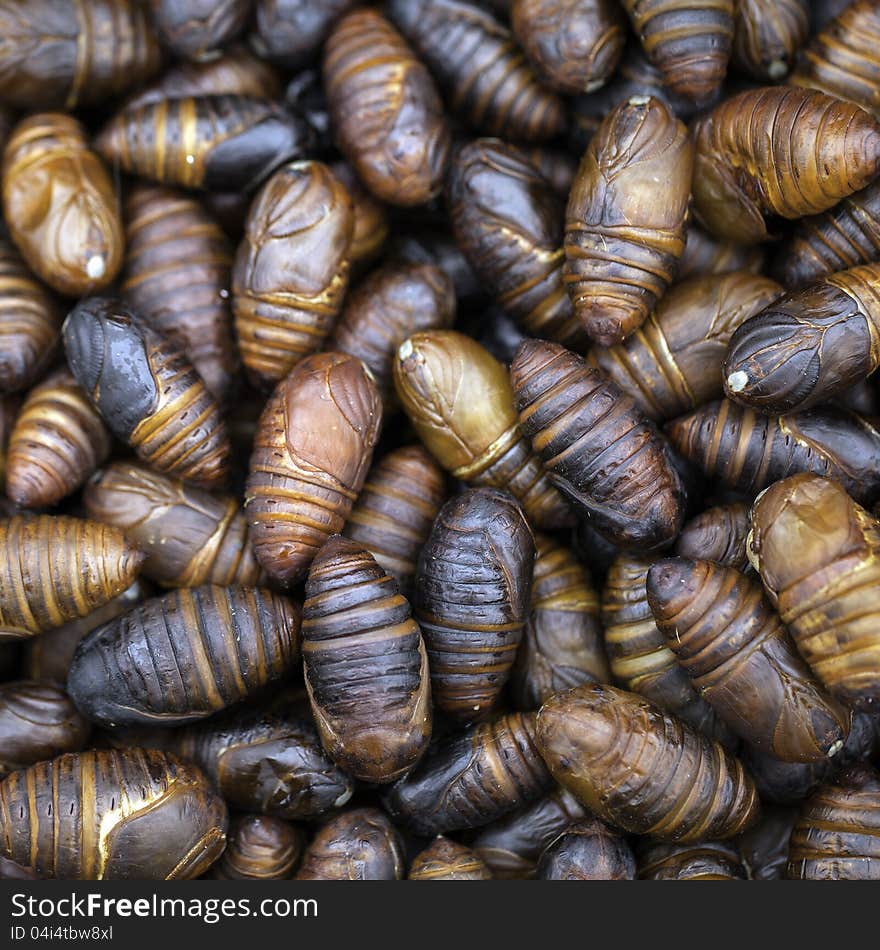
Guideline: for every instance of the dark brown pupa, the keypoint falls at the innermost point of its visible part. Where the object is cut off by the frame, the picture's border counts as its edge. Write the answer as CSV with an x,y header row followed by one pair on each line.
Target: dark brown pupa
x,y
471,599
705,861
447,860
291,269
394,512
747,451
218,143
717,534
597,447
358,845
639,655
84,52
259,848
732,644
197,29
366,668
386,112
311,454
588,851
57,568
471,778
30,323
810,345
461,403
626,215
37,721
689,42
641,769
184,656
672,363
562,641
836,836
57,442
267,761
508,221
485,75
778,151
104,814
575,45
391,304
177,278
148,394
189,536
768,36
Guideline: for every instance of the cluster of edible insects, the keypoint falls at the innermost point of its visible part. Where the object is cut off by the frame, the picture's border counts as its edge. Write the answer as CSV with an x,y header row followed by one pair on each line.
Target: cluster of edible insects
x,y
438,439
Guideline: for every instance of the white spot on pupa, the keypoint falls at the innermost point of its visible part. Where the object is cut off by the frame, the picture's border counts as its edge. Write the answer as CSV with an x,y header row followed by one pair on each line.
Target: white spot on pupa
x,y
639,100
96,266
344,797
834,749
406,350
190,159
777,69
594,85
224,294
737,381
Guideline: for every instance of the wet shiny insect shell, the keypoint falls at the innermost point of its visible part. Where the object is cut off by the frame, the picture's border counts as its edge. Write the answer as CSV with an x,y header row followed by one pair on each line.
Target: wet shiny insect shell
x,y
259,848
447,860
639,655
237,72
705,254
184,656
842,60
638,768
625,220
160,818
471,778
266,761
189,536
312,451
512,846
177,278
460,402
30,323
478,63
747,451
706,861
768,36
197,29
588,851
810,345
147,392
385,110
291,269
371,219
575,45
394,512
56,568
60,205
366,668
37,721
358,845
688,42
57,442
471,599
845,236
291,32
562,641
818,555
508,221
717,534
782,151
392,303
836,836
730,641
215,142
573,413
48,656
672,363
764,847
63,55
